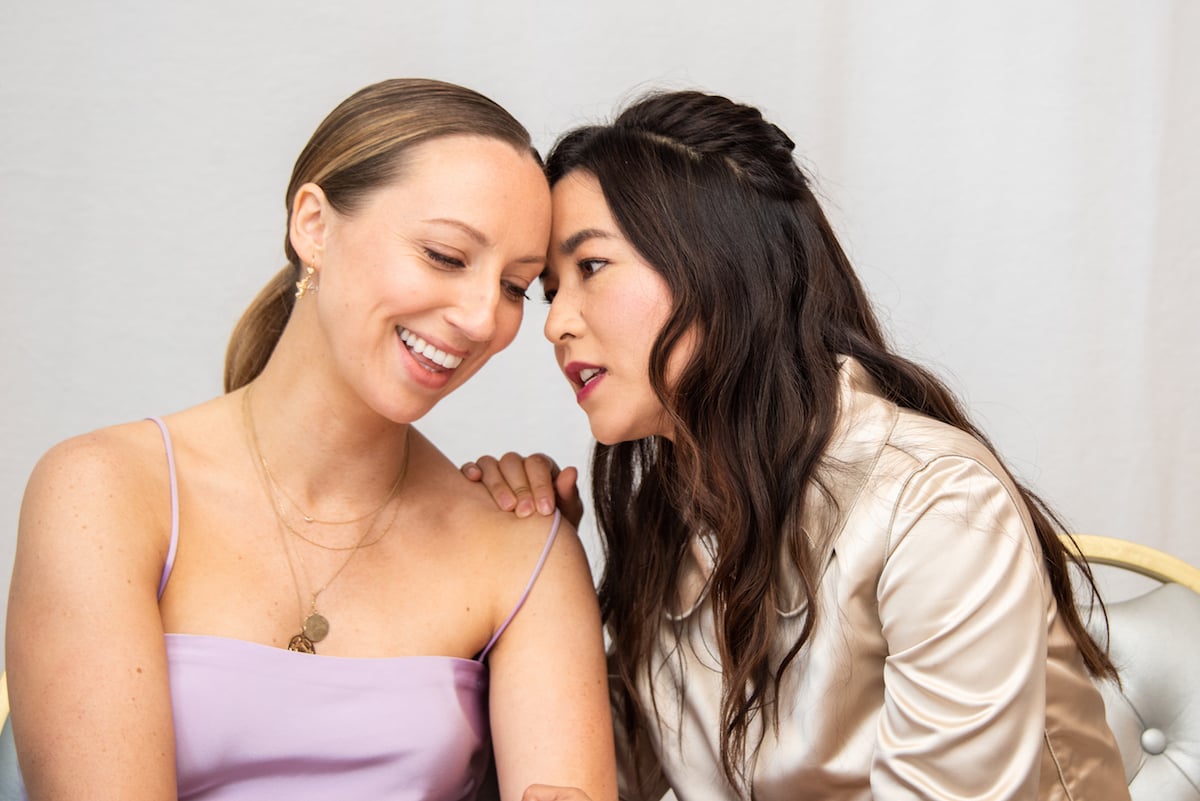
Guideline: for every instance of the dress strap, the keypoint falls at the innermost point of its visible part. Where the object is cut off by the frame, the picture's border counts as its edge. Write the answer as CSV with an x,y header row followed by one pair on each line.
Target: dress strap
x,y
170,563
528,587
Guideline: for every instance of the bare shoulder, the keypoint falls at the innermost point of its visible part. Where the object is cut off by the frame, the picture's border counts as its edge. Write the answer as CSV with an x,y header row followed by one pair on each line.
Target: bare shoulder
x,y
485,553
469,510
508,549
108,460
109,481
503,533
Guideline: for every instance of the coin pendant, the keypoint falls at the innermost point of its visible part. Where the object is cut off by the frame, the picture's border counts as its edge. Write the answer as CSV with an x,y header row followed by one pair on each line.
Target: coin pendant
x,y
301,644
316,627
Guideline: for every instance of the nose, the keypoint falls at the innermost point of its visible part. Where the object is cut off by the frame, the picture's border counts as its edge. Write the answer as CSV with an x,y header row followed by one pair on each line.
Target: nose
x,y
565,318
474,312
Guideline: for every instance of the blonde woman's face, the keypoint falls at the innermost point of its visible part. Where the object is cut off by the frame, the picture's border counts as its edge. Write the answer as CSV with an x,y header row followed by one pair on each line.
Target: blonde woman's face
x,y
426,281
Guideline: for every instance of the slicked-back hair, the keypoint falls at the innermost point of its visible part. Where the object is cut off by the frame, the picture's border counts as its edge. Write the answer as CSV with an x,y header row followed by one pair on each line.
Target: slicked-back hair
x,y
358,148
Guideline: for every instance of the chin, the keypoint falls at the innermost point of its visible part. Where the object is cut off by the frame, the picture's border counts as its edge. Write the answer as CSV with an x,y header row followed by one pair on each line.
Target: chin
x,y
605,436
608,436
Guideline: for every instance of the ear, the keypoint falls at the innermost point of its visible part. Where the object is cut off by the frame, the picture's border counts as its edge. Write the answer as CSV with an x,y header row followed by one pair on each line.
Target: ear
x,y
310,223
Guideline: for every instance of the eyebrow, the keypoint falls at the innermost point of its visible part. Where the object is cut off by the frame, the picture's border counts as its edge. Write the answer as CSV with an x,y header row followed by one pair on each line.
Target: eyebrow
x,y
470,231
572,242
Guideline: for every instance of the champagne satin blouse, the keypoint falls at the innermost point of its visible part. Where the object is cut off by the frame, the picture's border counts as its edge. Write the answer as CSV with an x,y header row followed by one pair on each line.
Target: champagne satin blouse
x,y
939,668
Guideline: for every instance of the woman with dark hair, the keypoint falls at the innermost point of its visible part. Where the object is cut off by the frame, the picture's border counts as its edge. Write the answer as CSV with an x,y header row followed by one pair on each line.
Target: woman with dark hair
x,y
821,582
287,591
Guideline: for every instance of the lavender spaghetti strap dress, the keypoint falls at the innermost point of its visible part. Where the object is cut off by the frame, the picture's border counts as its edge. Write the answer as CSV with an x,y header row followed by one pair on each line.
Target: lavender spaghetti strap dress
x,y
257,722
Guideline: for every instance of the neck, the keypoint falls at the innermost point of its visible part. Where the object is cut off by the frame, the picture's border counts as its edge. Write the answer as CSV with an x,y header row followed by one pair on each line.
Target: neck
x,y
335,457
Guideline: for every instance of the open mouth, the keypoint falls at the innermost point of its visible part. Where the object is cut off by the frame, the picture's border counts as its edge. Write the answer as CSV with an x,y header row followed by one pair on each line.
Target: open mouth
x,y
589,374
431,358
583,377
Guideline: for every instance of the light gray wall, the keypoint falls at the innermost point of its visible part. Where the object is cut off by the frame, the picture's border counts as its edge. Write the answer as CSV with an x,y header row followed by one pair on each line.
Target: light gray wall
x,y
1014,180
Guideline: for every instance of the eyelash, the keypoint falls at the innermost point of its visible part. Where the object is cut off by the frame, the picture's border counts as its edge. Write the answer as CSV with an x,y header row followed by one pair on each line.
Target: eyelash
x,y
443,259
513,291
584,266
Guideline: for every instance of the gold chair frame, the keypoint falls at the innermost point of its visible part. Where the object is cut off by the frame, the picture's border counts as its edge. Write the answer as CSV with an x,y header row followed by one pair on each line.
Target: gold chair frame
x,y
1134,556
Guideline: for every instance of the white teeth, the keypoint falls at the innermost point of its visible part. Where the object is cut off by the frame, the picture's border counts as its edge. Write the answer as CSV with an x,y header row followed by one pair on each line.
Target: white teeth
x,y
587,374
423,348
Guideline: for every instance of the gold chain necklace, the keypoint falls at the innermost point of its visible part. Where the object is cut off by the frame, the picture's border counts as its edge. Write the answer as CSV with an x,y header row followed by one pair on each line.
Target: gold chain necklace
x,y
278,489
314,626
283,520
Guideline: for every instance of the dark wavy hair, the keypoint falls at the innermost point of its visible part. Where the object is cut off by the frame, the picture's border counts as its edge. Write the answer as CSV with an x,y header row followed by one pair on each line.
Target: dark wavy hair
x,y
711,196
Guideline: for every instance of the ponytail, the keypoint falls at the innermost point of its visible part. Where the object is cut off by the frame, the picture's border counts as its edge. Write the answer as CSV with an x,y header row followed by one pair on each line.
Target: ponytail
x,y
255,335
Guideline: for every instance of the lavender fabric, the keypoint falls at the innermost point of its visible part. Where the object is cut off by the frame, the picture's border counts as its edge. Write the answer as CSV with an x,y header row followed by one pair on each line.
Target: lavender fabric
x,y
253,721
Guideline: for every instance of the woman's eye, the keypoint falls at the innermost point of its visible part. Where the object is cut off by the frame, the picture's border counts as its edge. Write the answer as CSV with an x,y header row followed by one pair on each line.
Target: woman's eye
x,y
591,266
443,259
515,292
549,294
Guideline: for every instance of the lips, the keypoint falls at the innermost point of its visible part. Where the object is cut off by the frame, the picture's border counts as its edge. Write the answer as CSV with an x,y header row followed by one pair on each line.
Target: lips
x,y
429,356
584,377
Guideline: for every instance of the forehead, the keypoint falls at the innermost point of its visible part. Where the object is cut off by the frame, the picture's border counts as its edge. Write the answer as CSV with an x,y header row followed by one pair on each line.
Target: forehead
x,y
577,198
482,182
460,163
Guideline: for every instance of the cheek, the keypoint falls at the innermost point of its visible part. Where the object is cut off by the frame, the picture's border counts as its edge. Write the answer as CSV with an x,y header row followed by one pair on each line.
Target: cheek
x,y
642,320
508,322
680,356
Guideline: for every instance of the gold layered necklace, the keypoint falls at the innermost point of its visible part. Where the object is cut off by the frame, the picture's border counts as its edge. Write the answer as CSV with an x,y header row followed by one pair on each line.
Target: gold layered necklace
x,y
314,626
280,492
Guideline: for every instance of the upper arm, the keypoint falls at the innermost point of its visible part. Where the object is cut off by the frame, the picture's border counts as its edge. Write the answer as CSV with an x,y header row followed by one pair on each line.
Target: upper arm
x,y
86,661
548,699
963,610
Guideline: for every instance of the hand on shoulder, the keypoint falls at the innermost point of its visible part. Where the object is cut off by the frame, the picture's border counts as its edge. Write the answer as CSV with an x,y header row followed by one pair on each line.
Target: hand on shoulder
x,y
523,484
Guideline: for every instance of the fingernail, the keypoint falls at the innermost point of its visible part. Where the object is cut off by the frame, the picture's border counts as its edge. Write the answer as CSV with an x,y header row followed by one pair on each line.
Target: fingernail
x,y
545,507
524,507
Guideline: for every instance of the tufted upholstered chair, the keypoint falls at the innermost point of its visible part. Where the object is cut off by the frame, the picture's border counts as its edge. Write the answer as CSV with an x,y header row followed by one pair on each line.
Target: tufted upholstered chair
x,y
1154,640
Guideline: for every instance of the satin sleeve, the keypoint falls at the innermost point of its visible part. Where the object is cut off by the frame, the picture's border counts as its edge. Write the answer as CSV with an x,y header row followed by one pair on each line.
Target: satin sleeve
x,y
963,606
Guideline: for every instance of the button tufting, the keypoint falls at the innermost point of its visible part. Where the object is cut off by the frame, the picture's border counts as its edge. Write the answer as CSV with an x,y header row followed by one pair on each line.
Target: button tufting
x,y
1154,741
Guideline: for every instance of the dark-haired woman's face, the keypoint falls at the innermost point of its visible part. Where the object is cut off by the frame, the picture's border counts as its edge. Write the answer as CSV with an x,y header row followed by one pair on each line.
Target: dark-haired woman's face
x,y
607,308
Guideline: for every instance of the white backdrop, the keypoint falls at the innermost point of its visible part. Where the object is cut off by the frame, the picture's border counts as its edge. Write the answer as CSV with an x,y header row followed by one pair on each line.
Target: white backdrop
x,y
1014,181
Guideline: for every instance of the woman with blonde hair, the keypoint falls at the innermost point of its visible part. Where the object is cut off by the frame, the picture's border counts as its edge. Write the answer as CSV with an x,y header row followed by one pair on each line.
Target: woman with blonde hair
x,y
287,591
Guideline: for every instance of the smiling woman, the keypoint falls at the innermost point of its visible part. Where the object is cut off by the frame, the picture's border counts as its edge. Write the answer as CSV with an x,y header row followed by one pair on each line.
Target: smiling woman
x,y
436,257
293,593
